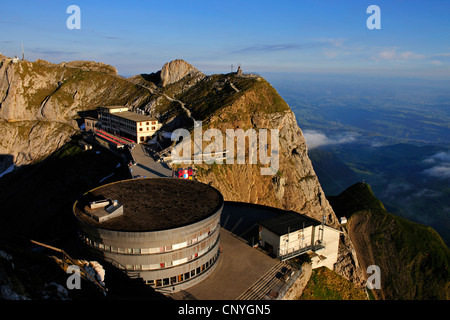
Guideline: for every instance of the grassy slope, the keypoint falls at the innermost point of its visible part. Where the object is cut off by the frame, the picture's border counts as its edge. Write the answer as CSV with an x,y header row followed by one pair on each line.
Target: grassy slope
x,y
93,87
413,258
213,93
326,284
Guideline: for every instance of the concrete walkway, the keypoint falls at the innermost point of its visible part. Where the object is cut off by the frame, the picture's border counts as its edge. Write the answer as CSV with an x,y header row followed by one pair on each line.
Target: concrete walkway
x,y
145,165
239,267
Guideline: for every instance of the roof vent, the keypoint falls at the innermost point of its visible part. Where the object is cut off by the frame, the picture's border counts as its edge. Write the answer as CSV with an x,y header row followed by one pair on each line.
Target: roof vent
x,y
104,210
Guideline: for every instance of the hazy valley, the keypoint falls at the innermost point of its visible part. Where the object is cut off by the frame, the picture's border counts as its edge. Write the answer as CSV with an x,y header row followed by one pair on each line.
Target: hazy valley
x,y
394,134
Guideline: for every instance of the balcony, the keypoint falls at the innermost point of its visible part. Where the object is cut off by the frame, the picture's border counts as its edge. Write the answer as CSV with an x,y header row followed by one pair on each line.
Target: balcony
x,y
286,254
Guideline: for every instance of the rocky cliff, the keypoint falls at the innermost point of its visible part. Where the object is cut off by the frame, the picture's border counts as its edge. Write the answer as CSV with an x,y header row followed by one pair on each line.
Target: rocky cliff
x,y
245,102
40,101
176,70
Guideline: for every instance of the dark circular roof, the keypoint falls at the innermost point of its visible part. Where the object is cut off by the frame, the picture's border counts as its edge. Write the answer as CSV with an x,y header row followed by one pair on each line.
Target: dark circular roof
x,y
153,204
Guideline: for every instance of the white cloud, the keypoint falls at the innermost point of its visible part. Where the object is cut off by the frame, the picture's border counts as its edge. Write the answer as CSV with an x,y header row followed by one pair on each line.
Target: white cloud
x,y
316,139
436,63
441,168
427,193
393,55
438,157
440,171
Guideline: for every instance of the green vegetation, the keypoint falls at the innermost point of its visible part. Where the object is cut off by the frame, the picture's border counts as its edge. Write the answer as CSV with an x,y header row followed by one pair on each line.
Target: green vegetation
x,y
413,258
325,284
215,92
41,79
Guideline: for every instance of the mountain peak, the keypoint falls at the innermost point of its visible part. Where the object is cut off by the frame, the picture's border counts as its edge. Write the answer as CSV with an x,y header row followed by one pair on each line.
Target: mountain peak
x,y
176,70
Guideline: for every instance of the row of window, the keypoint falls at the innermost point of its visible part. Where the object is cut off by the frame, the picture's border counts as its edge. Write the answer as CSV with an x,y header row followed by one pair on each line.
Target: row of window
x,y
147,123
139,251
153,129
185,276
164,265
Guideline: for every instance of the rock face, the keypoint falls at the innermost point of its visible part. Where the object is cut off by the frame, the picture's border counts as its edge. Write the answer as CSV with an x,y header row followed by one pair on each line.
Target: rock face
x,y
39,102
256,105
176,70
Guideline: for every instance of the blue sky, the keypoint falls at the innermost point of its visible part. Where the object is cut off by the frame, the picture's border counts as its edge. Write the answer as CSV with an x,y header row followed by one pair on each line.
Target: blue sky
x,y
317,36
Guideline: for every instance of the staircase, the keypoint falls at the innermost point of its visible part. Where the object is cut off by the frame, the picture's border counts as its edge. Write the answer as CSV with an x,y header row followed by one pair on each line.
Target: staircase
x,y
268,285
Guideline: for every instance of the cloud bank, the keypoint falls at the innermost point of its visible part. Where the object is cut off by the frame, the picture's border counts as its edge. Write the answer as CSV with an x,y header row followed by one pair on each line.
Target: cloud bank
x,y
316,139
441,165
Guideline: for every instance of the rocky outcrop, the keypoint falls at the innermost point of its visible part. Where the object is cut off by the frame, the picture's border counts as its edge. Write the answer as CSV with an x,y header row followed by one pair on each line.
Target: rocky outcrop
x,y
176,70
295,292
348,265
29,141
294,186
39,102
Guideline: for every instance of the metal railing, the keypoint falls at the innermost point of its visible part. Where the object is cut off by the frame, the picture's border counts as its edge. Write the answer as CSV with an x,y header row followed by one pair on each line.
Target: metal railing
x,y
284,254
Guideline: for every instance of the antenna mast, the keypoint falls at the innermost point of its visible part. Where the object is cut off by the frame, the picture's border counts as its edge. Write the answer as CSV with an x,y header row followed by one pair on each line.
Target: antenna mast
x,y
323,216
23,55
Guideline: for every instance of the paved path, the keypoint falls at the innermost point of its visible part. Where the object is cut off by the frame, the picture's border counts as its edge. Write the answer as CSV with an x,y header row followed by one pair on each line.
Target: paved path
x,y
239,267
234,87
145,165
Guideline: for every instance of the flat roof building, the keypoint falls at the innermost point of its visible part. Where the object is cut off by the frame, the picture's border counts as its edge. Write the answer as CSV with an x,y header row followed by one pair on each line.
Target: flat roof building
x,y
292,234
119,120
163,230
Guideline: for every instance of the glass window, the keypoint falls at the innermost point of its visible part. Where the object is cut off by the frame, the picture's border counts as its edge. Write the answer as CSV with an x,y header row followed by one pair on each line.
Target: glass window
x,y
192,273
165,281
187,276
180,278
173,280
158,283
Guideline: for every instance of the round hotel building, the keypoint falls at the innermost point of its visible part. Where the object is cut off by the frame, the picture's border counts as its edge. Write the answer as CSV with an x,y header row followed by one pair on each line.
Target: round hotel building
x,y
163,230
